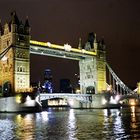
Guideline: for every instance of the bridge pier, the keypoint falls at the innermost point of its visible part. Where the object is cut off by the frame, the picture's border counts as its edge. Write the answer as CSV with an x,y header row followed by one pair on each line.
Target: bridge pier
x,y
14,104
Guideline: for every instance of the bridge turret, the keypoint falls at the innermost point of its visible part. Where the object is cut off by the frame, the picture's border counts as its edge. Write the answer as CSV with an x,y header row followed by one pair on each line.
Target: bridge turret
x,y
101,66
16,68
93,70
14,22
89,45
138,91
27,26
80,44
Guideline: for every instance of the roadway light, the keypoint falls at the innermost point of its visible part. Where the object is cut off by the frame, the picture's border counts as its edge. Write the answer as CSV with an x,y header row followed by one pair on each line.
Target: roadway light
x,y
67,47
36,48
48,44
104,101
83,50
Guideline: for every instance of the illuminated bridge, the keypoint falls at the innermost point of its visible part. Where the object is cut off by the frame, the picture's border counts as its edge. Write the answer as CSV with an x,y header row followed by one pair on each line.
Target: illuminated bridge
x,y
80,97
96,76
66,51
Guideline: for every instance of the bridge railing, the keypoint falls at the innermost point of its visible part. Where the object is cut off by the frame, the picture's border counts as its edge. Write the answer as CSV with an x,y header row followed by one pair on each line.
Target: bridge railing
x,y
118,86
81,97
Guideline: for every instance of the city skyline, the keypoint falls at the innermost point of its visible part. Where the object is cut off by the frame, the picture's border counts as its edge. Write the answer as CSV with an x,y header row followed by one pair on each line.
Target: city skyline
x,y
118,22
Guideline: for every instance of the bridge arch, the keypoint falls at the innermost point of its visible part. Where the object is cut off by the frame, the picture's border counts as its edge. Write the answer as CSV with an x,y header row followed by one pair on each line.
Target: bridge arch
x,y
6,89
55,101
90,90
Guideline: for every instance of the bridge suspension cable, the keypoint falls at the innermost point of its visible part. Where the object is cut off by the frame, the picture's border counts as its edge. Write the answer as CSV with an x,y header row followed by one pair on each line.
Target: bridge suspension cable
x,y
119,84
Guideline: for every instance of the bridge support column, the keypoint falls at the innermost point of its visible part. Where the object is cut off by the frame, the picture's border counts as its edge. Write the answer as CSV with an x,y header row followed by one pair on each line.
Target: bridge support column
x,y
93,70
87,74
15,68
73,103
93,74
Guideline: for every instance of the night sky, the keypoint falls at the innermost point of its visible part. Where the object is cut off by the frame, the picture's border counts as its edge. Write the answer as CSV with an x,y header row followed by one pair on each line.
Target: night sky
x,y
64,21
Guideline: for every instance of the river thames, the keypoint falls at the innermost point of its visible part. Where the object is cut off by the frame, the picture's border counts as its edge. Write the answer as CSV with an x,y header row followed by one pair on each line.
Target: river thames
x,y
72,124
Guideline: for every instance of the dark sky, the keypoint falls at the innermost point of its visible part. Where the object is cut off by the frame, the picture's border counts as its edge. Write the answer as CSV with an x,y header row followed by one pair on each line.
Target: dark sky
x,y
64,21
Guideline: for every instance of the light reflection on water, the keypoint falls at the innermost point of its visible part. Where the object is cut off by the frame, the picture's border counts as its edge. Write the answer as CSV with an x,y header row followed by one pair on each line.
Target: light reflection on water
x,y
72,124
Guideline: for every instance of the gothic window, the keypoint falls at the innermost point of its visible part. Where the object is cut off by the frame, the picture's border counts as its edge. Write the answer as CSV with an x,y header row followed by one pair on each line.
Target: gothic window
x,y
18,80
88,66
8,42
18,68
6,69
88,76
23,69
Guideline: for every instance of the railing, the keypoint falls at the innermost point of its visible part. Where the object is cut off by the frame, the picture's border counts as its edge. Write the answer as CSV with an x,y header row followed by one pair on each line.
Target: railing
x,y
82,97
117,82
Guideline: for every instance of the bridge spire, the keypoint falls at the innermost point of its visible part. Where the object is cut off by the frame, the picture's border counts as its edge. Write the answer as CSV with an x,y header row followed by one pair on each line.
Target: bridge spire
x,y
15,72
80,43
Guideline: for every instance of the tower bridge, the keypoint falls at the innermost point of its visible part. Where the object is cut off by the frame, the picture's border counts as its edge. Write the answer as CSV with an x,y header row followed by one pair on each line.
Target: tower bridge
x,y
15,50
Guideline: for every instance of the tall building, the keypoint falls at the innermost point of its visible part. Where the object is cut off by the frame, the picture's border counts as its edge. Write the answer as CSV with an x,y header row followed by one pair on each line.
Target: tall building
x,y
15,65
48,86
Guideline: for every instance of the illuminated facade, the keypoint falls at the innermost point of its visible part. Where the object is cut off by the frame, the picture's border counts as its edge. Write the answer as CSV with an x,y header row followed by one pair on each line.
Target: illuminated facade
x,y
15,64
15,68
93,70
91,57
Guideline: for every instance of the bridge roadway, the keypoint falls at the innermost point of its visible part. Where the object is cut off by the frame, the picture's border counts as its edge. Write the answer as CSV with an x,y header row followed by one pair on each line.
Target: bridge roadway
x,y
80,97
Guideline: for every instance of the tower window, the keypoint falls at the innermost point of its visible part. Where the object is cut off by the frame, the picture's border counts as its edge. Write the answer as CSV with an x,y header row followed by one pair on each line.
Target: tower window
x,y
21,69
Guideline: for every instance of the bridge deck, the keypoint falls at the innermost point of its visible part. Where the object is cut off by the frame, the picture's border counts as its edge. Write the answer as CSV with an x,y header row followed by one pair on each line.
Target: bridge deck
x,y
82,97
43,48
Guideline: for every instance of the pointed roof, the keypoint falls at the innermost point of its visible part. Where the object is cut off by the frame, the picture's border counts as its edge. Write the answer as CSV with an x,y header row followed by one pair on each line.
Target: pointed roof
x,y
14,17
27,22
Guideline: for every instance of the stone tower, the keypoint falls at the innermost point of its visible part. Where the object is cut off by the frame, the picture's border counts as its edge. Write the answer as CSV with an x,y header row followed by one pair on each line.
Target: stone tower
x,y
93,70
15,64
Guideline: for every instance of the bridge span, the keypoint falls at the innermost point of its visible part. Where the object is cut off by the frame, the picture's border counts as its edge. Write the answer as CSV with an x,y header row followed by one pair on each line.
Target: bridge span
x,y
79,97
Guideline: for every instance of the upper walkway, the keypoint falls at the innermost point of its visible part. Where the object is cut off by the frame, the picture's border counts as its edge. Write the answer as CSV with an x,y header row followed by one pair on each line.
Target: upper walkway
x,y
66,51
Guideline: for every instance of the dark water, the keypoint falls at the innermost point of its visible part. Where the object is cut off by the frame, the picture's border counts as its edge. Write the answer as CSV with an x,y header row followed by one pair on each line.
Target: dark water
x,y
72,124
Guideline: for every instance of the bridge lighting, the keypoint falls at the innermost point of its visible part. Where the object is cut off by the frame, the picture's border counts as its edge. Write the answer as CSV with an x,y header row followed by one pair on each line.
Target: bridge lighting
x,y
48,44
112,100
4,58
36,48
117,97
138,89
45,116
109,88
132,102
83,50
18,99
67,47
78,91
71,102
28,98
104,101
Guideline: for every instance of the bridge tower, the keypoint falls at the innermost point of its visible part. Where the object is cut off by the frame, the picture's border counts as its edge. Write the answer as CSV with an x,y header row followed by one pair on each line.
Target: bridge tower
x,y
15,65
93,71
